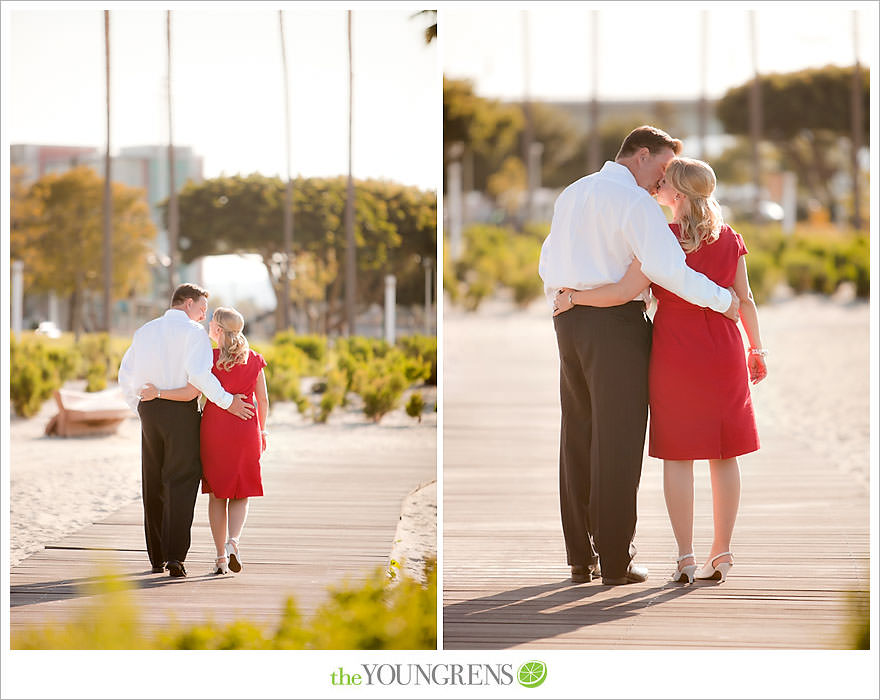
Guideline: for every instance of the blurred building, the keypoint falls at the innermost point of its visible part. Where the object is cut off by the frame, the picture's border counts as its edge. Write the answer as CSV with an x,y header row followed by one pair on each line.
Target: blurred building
x,y
144,167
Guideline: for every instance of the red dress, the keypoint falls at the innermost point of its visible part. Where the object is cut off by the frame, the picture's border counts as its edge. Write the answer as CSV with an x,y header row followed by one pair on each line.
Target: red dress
x,y
701,406
230,446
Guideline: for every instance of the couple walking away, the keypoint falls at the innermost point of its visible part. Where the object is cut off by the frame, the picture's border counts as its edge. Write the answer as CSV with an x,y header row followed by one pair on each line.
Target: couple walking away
x,y
169,364
609,247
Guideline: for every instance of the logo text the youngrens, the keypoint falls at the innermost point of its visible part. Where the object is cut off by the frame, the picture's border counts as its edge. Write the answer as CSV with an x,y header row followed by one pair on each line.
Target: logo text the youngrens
x,y
425,674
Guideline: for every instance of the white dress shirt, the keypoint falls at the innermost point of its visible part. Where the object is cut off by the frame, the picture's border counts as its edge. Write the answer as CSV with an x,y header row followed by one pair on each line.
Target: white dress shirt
x,y
170,351
604,220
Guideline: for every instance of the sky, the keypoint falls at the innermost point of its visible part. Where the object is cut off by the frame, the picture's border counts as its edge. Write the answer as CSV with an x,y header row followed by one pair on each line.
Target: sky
x,y
227,85
646,50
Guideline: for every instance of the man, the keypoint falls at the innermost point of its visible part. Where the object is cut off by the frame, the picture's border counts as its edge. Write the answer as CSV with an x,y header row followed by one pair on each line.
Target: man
x,y
600,223
171,351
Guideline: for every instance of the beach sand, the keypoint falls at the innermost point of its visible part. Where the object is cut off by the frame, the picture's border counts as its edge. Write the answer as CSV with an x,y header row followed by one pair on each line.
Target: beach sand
x,y
818,385
60,485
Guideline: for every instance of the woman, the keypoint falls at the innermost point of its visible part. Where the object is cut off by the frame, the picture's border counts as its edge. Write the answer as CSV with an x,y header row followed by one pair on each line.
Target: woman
x,y
230,449
698,379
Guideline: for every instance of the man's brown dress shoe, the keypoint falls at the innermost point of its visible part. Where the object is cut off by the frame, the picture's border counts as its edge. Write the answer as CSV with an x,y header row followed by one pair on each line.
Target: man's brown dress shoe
x,y
176,569
584,574
634,574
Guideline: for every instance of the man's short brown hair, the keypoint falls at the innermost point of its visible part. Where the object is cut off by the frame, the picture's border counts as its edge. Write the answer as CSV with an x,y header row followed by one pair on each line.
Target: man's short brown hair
x,y
187,291
650,137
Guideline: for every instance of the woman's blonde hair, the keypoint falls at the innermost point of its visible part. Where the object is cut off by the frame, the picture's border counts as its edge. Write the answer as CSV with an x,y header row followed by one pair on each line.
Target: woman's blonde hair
x,y
700,219
233,345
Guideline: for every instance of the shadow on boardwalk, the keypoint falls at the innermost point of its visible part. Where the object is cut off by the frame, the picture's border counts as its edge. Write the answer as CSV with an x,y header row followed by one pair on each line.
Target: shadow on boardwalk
x,y
505,578
559,607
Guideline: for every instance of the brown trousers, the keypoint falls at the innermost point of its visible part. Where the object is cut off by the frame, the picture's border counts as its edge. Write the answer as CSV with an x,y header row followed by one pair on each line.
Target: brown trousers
x,y
603,385
171,470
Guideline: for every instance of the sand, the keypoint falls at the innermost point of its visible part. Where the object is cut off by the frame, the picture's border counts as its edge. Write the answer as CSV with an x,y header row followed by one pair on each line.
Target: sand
x,y
60,485
817,389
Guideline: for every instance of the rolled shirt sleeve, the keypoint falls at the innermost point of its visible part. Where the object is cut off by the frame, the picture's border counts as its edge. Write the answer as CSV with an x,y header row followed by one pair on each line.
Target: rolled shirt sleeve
x,y
663,260
126,379
198,369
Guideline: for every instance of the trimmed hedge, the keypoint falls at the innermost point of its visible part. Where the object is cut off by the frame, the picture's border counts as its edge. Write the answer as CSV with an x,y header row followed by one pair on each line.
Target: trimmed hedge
x,y
370,367
811,259
39,366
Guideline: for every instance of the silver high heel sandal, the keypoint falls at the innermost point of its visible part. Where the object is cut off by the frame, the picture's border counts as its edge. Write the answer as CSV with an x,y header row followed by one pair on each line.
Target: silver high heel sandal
x,y
686,573
235,562
715,573
220,566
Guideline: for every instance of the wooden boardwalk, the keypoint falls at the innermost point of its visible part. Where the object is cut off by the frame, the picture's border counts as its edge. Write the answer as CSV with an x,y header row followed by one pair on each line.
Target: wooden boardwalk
x,y
329,514
801,541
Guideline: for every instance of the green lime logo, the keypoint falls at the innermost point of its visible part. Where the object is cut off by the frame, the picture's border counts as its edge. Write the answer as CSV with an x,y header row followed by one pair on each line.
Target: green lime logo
x,y
531,674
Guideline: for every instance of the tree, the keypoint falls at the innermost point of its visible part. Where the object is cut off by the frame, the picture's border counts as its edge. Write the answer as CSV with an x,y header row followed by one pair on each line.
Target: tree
x,y
350,245
106,203
493,132
285,320
394,227
805,115
489,129
431,29
58,233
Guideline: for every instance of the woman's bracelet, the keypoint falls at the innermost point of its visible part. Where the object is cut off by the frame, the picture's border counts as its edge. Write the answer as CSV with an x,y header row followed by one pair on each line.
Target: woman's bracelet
x,y
758,351
264,432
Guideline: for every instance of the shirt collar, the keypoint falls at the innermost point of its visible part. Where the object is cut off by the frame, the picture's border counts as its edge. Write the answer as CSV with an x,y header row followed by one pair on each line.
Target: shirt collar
x,y
619,172
177,315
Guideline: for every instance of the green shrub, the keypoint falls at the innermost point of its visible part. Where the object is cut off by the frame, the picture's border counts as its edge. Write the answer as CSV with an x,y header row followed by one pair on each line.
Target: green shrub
x,y
99,355
285,366
314,347
333,395
764,275
27,388
415,406
450,279
96,377
380,393
382,381
370,615
109,621
495,257
811,259
66,360
35,372
424,348
805,271
355,353
856,631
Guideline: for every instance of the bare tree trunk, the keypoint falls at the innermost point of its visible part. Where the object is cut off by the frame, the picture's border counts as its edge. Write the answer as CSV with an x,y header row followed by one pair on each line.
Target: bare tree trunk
x,y
108,196
755,120
350,266
529,131
288,200
704,62
856,138
76,307
277,289
172,182
594,153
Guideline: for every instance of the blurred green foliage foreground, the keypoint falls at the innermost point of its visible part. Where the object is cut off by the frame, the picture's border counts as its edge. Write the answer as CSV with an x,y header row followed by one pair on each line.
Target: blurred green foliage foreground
x,y
814,258
373,615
